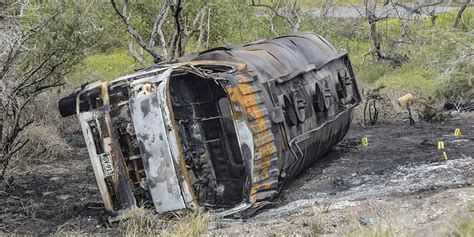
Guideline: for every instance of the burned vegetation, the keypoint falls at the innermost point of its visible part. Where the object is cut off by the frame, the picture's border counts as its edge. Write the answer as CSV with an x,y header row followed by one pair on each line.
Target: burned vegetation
x,y
224,129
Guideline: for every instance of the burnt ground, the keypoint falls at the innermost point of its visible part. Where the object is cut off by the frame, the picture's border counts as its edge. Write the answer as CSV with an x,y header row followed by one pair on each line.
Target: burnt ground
x,y
49,196
398,181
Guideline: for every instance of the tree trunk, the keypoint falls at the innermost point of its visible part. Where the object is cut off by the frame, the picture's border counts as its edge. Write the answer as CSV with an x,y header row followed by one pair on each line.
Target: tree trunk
x,y
460,12
433,19
375,39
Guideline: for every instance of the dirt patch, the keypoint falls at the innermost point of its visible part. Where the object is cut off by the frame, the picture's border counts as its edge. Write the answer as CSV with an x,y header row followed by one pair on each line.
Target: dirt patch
x,y
45,197
398,181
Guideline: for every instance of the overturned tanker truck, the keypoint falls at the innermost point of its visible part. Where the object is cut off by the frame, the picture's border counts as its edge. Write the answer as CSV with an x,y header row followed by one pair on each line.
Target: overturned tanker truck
x,y
224,129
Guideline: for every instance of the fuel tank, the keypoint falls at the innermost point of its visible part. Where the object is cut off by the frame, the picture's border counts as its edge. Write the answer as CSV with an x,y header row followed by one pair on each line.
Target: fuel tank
x,y
223,129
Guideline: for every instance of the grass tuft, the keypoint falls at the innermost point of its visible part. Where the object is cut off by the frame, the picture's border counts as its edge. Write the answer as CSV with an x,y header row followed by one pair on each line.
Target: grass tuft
x,y
143,221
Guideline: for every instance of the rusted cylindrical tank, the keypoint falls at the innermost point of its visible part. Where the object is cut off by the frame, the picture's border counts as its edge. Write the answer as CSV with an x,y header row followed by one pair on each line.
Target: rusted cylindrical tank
x,y
296,95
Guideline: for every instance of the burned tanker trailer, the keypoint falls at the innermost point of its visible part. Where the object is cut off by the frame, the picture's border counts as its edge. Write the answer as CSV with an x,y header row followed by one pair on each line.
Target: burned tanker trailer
x,y
224,129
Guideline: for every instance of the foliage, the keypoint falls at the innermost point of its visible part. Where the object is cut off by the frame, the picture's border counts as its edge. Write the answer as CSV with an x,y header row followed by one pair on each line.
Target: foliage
x,y
439,66
73,31
234,22
40,45
105,67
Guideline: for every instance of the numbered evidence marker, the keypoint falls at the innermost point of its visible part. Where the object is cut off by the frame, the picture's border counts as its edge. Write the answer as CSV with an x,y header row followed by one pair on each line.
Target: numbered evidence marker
x,y
440,145
365,142
457,132
445,156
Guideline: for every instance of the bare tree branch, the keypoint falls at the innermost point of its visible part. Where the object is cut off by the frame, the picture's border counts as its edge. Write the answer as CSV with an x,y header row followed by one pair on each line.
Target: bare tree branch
x,y
18,88
460,12
197,22
290,15
133,53
176,44
417,9
157,29
17,148
201,26
125,17
272,26
208,27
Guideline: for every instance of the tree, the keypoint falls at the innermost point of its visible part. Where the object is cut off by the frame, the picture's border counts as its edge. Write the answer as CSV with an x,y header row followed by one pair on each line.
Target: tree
x,y
405,15
283,9
39,47
172,44
376,51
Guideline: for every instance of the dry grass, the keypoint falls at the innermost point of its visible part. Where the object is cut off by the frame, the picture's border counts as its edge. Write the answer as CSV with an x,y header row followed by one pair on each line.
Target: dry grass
x,y
371,223
377,230
45,111
464,227
69,230
142,221
47,134
46,144
316,222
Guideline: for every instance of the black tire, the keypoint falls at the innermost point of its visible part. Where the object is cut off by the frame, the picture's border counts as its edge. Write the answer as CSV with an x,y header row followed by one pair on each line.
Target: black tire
x,y
67,105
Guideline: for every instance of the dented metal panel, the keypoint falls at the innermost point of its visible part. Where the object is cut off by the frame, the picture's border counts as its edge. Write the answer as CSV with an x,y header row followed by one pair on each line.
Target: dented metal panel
x,y
224,129
156,155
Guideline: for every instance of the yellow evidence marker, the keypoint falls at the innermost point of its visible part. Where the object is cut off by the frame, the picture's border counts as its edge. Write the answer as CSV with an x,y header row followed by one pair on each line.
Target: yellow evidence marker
x,y
440,145
445,156
365,142
457,132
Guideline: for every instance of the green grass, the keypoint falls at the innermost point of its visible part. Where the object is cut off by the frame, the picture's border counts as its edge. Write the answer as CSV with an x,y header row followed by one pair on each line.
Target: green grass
x,y
431,51
409,79
106,67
